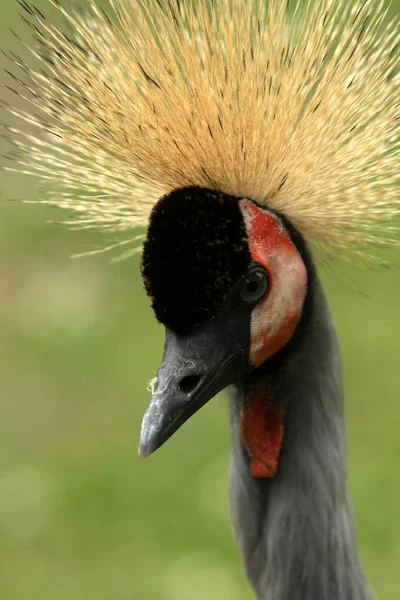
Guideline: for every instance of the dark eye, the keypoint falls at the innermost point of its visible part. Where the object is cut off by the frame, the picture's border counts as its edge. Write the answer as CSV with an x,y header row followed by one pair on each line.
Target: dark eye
x,y
255,285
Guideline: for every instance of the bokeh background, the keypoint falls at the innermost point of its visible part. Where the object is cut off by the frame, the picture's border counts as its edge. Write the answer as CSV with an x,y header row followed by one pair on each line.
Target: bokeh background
x,y
81,517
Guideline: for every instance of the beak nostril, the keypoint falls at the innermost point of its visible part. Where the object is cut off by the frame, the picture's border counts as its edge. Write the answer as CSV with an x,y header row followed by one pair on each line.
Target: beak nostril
x,y
189,383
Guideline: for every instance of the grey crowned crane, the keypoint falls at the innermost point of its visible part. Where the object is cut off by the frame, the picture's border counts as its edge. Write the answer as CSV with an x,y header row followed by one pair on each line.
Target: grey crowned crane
x,y
249,137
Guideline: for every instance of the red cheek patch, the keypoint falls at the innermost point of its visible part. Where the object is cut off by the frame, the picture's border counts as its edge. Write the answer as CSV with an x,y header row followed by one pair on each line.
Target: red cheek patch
x,y
274,319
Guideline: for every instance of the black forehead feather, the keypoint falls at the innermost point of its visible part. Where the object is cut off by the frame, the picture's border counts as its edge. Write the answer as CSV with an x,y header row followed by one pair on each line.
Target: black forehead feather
x,y
195,251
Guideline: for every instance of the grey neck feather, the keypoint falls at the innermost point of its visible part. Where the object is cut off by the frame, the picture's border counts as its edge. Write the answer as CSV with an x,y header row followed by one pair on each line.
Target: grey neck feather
x,y
295,531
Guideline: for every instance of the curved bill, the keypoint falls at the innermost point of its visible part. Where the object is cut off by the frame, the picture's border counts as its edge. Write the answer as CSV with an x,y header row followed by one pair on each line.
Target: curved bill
x,y
195,367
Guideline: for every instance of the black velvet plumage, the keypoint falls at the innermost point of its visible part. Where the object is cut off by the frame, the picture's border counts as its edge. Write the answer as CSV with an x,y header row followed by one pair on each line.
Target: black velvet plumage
x,y
195,251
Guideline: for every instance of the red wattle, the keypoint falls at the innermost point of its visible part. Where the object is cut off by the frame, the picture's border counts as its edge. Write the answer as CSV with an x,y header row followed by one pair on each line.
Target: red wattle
x,y
262,430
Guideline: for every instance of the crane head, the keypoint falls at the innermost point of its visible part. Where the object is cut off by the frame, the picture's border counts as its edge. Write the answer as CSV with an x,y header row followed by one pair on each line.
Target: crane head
x,y
226,279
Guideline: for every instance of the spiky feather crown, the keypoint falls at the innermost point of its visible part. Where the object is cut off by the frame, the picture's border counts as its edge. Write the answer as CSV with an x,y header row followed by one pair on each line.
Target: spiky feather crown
x,y
295,108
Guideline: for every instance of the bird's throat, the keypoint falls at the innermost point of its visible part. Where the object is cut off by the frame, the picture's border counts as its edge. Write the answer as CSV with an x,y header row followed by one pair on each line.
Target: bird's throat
x,y
261,422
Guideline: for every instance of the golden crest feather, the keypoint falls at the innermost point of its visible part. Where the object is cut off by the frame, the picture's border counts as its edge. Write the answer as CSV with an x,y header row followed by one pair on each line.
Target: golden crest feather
x,y
296,108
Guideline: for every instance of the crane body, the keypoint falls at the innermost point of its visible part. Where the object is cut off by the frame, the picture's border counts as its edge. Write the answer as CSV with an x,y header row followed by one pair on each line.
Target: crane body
x,y
291,513
296,531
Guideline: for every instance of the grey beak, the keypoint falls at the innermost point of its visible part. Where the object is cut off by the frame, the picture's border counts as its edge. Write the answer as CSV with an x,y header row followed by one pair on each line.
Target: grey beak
x,y
195,367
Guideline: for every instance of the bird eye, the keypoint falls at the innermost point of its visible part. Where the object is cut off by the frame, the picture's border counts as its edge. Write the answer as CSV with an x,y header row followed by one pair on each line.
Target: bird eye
x,y
255,285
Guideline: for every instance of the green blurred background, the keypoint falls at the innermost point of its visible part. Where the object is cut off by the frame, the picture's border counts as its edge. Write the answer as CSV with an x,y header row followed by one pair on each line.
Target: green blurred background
x,y
81,517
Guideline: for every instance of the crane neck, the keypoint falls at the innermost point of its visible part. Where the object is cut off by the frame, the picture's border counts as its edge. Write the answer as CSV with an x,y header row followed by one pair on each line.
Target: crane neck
x,y
295,529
